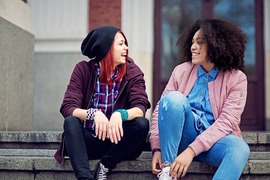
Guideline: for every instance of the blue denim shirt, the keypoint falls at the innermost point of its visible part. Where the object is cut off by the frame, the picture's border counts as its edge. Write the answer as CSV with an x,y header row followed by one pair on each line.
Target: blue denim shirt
x,y
199,99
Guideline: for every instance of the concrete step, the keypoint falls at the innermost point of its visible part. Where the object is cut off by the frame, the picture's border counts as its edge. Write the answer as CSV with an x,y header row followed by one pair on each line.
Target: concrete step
x,y
40,164
50,153
258,141
46,167
29,155
30,139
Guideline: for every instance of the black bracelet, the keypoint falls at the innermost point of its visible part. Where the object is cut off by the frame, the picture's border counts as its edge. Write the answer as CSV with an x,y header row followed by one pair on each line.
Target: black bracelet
x,y
155,150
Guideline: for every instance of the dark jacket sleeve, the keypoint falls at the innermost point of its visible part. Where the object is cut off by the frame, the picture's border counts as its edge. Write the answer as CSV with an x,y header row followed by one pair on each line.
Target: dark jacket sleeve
x,y
73,97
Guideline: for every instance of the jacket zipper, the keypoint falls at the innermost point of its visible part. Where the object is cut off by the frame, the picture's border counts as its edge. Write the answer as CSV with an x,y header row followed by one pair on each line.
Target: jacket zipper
x,y
120,92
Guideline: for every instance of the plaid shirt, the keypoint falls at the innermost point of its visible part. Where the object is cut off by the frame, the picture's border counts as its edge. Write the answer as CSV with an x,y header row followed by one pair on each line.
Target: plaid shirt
x,y
104,97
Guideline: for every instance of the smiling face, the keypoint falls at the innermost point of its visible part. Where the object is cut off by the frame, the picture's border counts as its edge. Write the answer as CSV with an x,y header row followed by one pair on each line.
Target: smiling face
x,y
199,52
120,49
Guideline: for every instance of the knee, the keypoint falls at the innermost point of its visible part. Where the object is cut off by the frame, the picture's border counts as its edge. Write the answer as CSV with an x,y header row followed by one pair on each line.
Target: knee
x,y
173,96
142,125
173,99
240,154
71,122
240,150
244,150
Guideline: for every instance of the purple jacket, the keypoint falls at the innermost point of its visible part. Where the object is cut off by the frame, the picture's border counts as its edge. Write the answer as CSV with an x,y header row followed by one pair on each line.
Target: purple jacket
x,y
80,91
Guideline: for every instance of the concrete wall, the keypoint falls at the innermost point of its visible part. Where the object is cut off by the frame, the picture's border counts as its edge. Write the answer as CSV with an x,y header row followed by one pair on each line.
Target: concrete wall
x,y
58,36
17,12
52,74
16,77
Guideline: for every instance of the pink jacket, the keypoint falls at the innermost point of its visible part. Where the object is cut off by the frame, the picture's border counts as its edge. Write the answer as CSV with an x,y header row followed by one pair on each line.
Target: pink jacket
x,y
227,96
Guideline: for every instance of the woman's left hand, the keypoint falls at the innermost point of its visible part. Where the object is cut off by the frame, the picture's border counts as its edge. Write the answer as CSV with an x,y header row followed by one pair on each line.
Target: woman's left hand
x,y
114,127
181,163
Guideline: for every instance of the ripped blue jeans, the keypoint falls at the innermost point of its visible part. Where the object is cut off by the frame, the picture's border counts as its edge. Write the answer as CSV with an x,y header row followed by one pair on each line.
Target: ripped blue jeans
x,y
176,124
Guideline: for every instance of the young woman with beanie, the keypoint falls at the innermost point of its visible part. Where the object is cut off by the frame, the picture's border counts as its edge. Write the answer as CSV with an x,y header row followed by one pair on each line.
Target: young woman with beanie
x,y
104,106
198,116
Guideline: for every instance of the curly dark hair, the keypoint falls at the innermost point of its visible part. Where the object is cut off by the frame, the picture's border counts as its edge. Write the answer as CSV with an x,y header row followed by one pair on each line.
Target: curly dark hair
x,y
226,43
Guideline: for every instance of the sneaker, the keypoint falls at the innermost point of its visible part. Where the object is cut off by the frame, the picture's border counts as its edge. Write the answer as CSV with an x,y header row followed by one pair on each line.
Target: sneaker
x,y
101,172
165,174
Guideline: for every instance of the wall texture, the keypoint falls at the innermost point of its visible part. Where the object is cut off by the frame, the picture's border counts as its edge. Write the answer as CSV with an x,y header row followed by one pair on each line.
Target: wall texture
x,y
104,12
17,12
52,74
16,77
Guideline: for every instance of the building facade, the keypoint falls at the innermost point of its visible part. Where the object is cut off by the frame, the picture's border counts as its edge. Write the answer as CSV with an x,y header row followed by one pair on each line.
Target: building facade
x,y
151,27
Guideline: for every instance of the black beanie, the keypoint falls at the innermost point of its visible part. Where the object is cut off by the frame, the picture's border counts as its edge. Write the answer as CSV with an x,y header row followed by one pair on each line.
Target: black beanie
x,y
98,42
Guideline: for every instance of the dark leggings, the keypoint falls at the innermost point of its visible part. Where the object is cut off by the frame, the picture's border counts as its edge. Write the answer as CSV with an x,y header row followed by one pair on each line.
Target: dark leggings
x,y
82,145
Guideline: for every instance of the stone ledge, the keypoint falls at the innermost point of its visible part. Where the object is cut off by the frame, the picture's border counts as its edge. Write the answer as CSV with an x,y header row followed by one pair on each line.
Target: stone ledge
x,y
257,141
257,137
142,164
144,155
38,163
30,136
53,175
55,136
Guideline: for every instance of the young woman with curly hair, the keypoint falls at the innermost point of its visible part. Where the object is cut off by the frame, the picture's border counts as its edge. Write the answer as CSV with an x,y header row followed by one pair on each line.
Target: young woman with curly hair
x,y
199,113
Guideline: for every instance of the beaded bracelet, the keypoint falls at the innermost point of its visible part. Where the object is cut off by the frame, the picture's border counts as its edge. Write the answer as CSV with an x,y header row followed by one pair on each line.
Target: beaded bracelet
x,y
124,114
90,113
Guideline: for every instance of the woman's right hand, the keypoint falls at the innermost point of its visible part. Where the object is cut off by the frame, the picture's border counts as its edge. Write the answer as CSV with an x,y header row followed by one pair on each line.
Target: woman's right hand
x,y
181,163
156,162
101,122
115,129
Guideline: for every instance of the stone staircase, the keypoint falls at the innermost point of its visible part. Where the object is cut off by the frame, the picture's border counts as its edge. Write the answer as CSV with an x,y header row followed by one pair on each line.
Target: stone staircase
x,y
29,156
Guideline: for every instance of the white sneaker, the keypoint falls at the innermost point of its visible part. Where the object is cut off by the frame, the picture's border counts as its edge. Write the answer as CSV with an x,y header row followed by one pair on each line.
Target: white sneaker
x,y
165,174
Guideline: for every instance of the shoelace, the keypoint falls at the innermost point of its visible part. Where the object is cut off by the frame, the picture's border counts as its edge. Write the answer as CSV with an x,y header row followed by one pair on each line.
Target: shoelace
x,y
160,174
163,174
102,174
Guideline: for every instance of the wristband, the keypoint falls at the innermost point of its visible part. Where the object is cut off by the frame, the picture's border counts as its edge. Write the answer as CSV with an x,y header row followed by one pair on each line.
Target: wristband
x,y
90,113
124,114
155,150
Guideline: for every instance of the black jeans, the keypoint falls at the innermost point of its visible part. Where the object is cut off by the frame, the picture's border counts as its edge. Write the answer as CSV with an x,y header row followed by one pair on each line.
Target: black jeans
x,y
82,145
